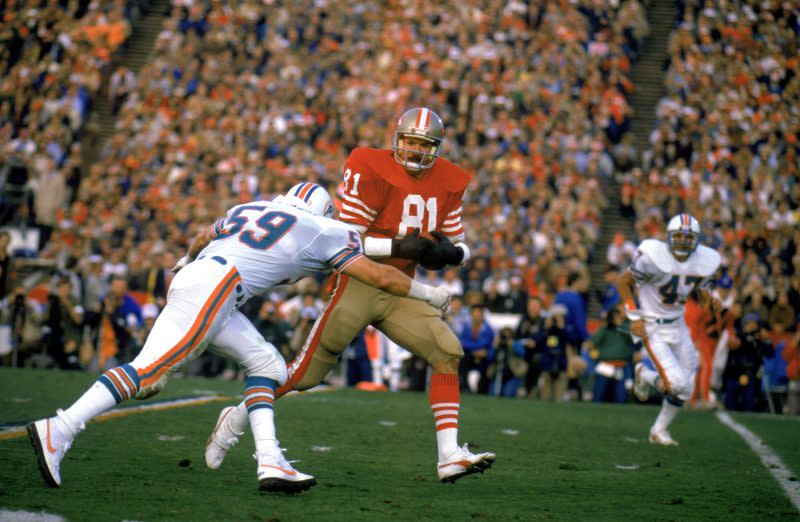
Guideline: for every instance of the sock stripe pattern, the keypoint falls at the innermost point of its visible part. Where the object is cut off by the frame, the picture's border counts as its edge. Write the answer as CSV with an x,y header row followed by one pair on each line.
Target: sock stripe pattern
x,y
445,401
122,382
259,392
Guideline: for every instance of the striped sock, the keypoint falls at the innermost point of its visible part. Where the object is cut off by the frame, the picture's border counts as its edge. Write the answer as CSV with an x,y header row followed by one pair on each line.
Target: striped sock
x,y
122,382
113,387
445,402
259,394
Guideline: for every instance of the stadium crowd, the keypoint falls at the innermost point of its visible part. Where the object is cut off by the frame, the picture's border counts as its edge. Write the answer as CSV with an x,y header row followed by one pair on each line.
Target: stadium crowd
x,y
725,149
239,100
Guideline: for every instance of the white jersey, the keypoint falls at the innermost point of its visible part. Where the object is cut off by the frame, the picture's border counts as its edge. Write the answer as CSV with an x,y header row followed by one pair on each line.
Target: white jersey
x,y
272,243
664,283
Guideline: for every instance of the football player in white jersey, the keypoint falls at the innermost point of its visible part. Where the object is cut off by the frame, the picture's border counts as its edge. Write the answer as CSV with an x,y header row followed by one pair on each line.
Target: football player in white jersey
x,y
654,291
255,247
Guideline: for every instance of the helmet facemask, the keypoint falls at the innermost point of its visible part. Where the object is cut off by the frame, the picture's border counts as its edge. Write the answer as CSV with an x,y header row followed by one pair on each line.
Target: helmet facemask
x,y
682,242
418,139
416,152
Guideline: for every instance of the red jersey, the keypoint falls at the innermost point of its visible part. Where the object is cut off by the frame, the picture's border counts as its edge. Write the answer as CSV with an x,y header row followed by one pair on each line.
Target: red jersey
x,y
382,200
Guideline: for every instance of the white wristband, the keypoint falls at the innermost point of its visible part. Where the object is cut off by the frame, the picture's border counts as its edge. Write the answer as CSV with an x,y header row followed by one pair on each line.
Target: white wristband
x,y
420,291
465,249
377,246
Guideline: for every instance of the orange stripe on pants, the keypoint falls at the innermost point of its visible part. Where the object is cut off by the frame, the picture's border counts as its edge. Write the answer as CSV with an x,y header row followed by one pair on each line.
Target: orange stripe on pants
x,y
661,372
199,327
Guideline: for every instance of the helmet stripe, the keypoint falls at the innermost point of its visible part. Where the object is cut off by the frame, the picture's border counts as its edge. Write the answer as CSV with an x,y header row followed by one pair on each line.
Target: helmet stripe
x,y
310,191
427,119
419,118
299,189
303,190
685,218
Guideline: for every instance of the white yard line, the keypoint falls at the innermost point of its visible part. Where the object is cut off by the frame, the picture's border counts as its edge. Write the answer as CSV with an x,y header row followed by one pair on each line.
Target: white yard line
x,y
29,516
15,432
769,459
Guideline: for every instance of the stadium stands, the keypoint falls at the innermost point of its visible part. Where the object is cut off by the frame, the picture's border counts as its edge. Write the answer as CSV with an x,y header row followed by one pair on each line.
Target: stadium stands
x,y
239,100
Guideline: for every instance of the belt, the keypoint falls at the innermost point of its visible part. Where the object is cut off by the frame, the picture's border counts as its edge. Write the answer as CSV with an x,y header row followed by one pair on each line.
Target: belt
x,y
668,320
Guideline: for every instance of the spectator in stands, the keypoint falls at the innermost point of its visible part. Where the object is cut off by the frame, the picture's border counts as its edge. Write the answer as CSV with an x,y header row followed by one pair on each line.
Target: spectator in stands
x,y
612,348
457,315
747,351
477,338
782,316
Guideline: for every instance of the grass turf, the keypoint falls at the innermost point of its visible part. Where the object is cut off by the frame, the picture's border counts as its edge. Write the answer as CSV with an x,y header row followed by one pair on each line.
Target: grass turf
x,y
561,464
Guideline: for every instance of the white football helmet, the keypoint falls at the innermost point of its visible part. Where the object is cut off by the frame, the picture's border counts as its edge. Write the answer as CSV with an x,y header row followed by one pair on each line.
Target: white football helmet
x,y
309,196
683,235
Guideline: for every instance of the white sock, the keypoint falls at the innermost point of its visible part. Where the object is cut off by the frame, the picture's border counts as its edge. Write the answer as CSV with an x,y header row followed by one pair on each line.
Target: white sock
x,y
667,415
259,394
95,401
238,419
262,420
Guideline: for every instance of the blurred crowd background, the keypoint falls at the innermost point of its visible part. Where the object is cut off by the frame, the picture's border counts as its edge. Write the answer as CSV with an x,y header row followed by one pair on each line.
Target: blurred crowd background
x,y
240,99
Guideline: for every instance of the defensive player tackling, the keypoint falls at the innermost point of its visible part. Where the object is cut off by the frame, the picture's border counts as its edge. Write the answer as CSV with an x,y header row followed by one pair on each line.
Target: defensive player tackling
x,y
654,291
256,246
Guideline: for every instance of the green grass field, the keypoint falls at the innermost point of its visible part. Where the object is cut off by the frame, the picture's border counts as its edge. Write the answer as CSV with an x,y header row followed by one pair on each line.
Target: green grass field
x,y
559,462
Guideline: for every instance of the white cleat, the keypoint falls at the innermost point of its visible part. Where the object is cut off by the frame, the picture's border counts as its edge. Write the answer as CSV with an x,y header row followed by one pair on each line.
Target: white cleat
x,y
277,475
462,463
662,438
221,440
50,445
640,388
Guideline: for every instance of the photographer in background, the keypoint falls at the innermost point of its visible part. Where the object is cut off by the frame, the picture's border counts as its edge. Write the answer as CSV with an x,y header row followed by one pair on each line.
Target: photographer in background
x,y
511,364
526,335
477,338
612,347
554,340
747,349
120,317
64,326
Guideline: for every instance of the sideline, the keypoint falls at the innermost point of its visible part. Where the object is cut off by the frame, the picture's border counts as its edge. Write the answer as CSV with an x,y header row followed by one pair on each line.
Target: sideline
x,y
769,459
15,432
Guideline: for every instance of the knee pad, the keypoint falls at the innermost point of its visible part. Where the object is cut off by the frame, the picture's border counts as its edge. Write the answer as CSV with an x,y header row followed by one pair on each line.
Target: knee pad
x,y
267,363
448,347
681,388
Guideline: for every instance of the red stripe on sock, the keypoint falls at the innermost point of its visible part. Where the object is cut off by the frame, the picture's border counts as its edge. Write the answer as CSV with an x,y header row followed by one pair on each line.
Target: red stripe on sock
x,y
447,426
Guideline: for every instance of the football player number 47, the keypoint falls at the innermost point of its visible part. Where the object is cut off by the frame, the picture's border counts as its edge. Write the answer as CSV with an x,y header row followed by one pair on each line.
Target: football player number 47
x,y
415,207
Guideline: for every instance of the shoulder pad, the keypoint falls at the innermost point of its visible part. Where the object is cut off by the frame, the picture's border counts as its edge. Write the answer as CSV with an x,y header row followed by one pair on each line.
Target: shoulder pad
x,y
707,261
658,252
455,179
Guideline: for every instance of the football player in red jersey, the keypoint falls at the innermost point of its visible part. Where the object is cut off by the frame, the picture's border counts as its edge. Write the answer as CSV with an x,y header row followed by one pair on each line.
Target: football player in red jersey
x,y
389,196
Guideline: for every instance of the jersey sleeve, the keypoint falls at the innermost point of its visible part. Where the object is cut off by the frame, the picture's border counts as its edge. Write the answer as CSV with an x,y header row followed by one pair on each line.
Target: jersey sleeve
x,y
643,268
338,247
216,228
363,194
452,226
